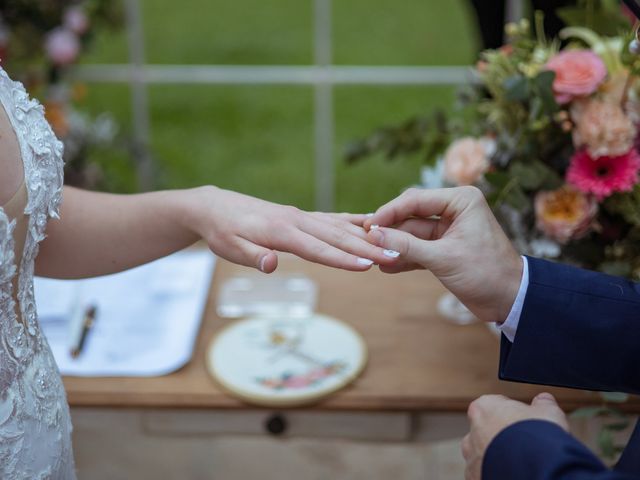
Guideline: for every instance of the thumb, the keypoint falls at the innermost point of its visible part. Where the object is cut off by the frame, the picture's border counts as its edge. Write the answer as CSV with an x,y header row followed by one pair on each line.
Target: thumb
x,y
544,400
411,248
548,409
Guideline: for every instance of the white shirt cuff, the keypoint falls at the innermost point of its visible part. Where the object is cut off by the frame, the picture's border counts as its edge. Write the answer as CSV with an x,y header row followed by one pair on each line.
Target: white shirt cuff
x,y
510,325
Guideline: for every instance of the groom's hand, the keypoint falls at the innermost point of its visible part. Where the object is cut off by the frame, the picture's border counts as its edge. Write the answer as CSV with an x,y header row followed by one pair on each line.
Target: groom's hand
x,y
490,414
453,233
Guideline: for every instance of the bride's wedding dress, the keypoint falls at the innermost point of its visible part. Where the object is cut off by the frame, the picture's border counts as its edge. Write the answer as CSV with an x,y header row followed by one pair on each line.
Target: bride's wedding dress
x,y
35,427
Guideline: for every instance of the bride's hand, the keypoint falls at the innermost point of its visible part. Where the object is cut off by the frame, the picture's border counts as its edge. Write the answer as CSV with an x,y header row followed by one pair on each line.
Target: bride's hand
x,y
249,231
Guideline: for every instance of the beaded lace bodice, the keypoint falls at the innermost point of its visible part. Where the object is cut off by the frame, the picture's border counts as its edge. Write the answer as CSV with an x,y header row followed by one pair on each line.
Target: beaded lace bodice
x,y
35,427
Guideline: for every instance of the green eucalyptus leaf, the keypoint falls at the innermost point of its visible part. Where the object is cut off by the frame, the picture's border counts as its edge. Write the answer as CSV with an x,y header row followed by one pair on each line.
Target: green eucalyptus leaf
x,y
607,21
620,269
506,190
528,176
614,397
535,108
588,412
618,426
544,87
605,442
535,175
497,180
516,198
516,88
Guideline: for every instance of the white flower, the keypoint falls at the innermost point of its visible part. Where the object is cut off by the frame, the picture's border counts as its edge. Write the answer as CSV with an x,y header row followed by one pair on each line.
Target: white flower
x,y
544,247
432,177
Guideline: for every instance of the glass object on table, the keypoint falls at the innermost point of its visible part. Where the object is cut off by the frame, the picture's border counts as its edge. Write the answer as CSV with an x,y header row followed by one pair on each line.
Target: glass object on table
x,y
291,295
454,310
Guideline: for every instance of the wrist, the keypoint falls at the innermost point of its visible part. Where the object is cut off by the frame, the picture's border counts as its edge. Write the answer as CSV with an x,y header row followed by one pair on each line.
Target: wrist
x,y
192,210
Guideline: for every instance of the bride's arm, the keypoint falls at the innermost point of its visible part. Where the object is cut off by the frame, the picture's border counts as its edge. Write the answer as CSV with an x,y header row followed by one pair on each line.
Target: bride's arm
x,y
100,233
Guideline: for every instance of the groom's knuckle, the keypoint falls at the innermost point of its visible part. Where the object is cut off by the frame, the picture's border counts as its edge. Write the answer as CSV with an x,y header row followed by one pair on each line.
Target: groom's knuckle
x,y
411,193
472,409
472,192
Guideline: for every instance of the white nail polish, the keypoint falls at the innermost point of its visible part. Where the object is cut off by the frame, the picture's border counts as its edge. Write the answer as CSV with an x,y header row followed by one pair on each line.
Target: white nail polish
x,y
262,262
391,253
370,214
374,227
365,261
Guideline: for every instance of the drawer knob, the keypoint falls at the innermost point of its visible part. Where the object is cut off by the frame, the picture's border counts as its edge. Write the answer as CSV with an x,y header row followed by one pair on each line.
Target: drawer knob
x,y
276,424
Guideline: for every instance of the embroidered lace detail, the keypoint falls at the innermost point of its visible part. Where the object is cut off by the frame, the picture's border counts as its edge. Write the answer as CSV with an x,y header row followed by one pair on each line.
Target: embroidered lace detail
x,y
35,426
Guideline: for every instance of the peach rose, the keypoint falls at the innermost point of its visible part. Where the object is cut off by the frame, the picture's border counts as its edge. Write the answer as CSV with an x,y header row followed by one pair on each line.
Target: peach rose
x,y
602,127
578,73
564,214
467,159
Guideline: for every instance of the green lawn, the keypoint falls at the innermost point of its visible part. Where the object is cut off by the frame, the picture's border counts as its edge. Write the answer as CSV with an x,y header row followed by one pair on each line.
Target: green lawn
x,y
259,139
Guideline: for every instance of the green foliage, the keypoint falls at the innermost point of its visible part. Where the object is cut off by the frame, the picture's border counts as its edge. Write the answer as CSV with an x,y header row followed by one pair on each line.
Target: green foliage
x,y
26,27
429,135
516,88
614,397
506,190
614,421
535,175
626,205
602,16
618,268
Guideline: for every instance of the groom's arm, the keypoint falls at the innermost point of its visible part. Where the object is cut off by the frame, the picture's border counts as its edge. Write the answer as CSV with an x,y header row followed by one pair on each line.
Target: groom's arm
x,y
577,328
541,450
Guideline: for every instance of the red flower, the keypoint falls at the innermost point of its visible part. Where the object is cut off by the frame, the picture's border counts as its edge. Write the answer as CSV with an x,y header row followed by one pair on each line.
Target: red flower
x,y
604,176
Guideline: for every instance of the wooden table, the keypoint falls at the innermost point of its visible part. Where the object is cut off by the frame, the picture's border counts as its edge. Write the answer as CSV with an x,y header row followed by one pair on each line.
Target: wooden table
x,y
418,361
405,414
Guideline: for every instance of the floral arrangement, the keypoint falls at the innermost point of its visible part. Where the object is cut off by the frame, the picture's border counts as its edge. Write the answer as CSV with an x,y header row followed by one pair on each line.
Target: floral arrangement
x,y
549,132
39,41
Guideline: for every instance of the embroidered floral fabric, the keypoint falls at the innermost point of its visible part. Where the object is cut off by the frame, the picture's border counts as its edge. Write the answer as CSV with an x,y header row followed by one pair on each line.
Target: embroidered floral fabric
x,y
35,427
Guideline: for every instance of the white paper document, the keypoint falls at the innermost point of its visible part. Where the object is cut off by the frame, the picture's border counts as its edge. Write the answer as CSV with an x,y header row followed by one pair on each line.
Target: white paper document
x,y
147,318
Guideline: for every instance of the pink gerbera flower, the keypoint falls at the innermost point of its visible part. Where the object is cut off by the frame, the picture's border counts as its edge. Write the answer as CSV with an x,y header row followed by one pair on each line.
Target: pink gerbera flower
x,y
604,175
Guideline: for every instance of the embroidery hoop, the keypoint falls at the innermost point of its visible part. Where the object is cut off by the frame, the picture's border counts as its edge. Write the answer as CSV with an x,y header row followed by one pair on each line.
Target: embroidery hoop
x,y
241,360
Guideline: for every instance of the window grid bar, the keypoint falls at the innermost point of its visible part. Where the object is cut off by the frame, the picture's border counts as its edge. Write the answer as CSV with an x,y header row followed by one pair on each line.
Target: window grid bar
x,y
139,98
323,109
275,75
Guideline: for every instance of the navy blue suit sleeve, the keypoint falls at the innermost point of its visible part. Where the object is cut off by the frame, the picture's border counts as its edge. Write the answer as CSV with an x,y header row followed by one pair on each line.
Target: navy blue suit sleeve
x,y
578,329
541,450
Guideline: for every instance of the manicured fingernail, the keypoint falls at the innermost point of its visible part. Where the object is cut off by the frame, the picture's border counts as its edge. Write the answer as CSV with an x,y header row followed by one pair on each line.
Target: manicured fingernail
x,y
365,261
262,262
374,227
370,214
391,253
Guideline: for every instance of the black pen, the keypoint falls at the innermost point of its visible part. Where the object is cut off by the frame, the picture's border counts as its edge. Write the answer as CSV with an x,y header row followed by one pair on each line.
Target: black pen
x,y
87,322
